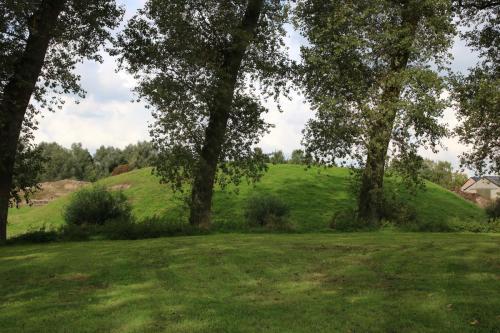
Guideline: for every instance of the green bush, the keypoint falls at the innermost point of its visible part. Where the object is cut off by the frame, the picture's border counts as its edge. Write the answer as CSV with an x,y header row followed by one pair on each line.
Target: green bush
x,y
267,211
493,210
153,227
40,235
96,205
348,220
398,211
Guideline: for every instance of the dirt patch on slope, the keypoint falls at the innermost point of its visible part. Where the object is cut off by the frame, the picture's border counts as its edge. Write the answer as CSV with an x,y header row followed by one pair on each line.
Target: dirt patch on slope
x,y
120,187
52,190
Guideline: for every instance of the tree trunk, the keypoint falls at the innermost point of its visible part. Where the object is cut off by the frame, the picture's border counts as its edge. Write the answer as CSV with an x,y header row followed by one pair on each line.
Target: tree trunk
x,y
215,133
370,199
17,94
372,179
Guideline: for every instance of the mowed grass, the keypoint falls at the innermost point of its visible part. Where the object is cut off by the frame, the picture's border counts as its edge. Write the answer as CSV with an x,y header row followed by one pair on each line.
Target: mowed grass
x,y
362,282
314,196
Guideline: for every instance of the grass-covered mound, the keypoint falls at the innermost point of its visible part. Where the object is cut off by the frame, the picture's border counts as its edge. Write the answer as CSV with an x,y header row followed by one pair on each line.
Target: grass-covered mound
x,y
313,195
360,282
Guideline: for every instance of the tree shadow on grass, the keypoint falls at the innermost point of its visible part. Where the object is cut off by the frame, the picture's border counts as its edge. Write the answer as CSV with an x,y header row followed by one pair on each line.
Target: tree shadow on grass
x,y
235,283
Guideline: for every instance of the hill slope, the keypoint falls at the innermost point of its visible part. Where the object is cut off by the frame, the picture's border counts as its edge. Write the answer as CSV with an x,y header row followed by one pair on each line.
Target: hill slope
x,y
314,195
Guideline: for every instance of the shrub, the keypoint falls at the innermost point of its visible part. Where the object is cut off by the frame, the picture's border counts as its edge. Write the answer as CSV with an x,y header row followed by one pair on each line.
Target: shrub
x,y
40,235
96,205
268,211
349,220
152,227
398,211
493,210
346,220
122,168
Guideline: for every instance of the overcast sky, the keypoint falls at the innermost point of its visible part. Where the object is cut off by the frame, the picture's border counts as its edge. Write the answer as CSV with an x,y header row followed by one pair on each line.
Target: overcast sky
x,y
107,116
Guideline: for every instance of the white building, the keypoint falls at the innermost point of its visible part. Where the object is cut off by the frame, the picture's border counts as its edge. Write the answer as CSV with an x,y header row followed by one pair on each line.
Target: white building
x,y
487,187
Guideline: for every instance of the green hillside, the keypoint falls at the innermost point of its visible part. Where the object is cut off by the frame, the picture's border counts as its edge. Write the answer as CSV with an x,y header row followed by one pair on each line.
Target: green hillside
x,y
314,195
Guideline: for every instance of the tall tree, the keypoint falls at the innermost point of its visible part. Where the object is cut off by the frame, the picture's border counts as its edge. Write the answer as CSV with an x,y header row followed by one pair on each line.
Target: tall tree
x,y
201,65
367,73
298,157
40,44
477,94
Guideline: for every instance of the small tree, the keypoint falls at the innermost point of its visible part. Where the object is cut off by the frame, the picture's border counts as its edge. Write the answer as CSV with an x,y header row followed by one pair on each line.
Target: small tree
x,y
278,157
298,157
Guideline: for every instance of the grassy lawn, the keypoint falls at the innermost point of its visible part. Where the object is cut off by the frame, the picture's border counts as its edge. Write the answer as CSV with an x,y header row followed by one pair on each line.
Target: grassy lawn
x,y
363,282
313,195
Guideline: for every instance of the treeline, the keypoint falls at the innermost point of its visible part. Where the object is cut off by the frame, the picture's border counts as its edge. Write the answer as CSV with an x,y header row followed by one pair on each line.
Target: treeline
x,y
278,157
442,173
78,163
364,71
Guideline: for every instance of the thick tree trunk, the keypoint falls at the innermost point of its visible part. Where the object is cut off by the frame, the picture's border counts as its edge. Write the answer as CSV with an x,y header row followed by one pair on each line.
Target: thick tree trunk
x,y
17,94
202,191
372,179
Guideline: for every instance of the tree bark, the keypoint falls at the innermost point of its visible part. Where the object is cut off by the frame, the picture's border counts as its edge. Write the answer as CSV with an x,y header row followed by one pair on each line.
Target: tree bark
x,y
202,191
17,94
372,178
370,199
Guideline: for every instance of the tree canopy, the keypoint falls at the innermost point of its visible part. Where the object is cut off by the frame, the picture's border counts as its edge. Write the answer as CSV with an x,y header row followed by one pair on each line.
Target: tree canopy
x,y
477,94
40,44
370,72
201,66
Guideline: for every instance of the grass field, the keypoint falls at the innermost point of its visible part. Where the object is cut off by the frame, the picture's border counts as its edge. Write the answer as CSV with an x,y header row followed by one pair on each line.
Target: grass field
x,y
314,196
360,282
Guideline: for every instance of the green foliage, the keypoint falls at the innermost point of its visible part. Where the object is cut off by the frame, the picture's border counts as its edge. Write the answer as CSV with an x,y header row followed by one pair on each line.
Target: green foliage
x,y
493,210
349,61
441,173
62,163
77,163
277,157
80,31
367,76
329,188
478,102
36,235
82,28
152,227
267,211
397,210
477,94
56,162
298,157
27,172
140,155
82,164
106,159
347,220
96,205
181,82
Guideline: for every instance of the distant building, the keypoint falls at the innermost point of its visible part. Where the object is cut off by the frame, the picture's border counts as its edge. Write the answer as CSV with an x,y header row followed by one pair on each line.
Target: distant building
x,y
487,187
471,181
